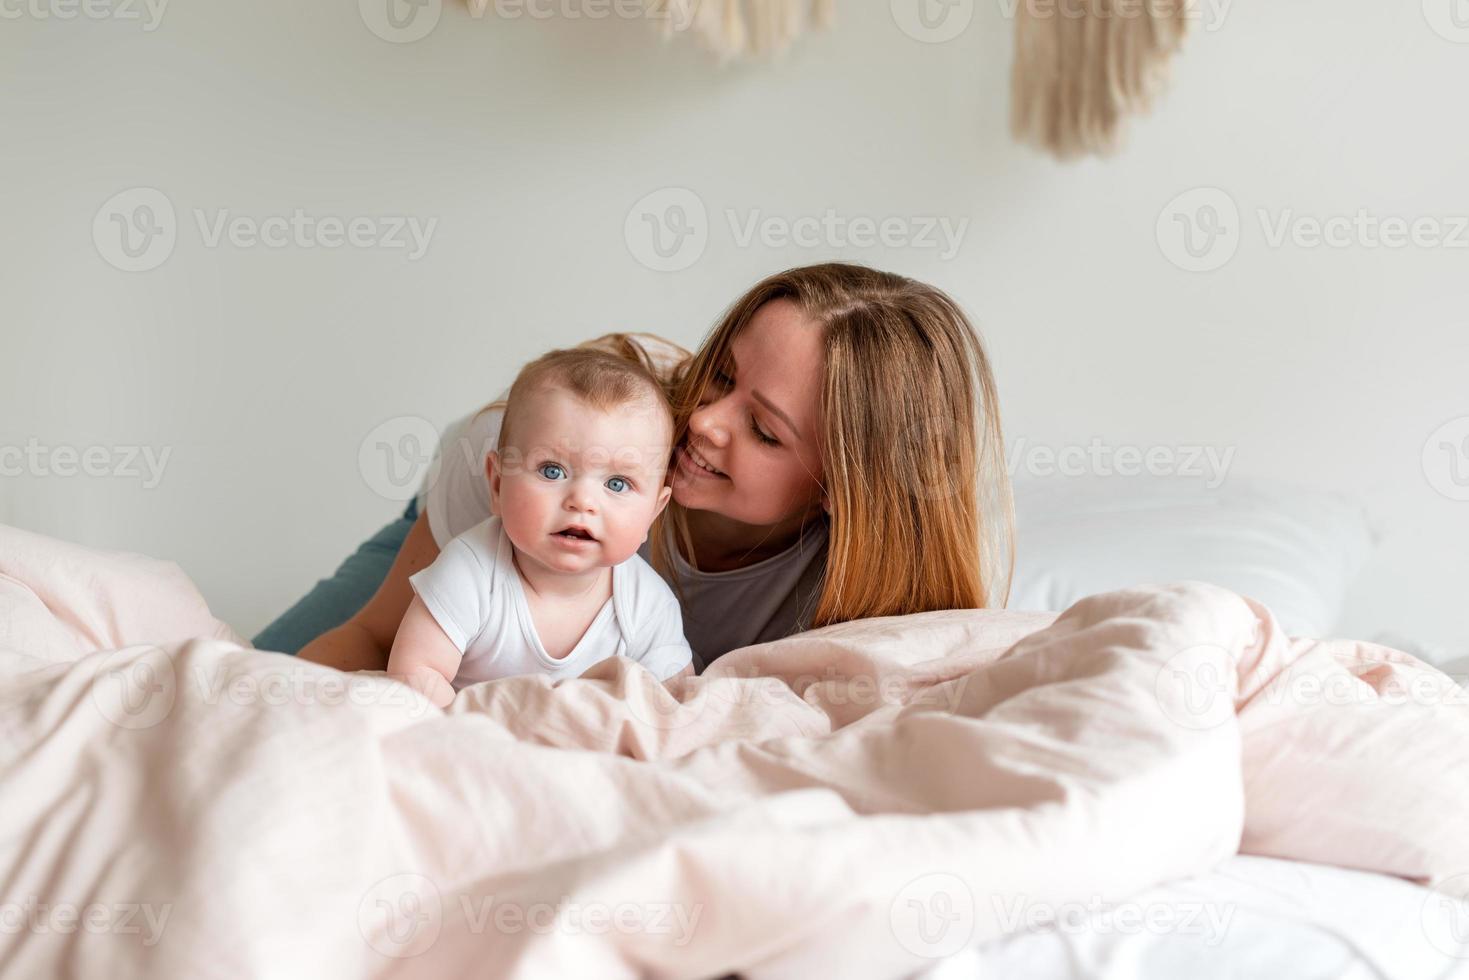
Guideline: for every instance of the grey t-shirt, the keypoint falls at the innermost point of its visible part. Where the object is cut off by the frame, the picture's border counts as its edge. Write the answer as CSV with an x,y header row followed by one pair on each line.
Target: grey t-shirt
x,y
722,611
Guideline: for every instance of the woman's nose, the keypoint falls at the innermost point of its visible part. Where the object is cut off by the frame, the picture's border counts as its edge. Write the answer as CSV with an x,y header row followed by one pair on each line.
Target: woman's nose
x,y
708,423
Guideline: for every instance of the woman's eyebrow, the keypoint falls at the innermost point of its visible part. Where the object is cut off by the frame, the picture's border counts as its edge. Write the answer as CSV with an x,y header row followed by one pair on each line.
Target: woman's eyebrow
x,y
766,403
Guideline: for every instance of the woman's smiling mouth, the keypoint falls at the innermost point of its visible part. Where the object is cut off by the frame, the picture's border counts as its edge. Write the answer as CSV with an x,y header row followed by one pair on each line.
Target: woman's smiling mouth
x,y
694,464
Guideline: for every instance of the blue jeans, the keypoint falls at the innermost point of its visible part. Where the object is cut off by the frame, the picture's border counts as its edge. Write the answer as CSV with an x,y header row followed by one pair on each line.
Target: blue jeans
x,y
333,601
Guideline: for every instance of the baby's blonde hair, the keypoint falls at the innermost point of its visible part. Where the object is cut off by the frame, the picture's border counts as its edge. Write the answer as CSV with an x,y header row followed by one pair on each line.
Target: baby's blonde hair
x,y
601,379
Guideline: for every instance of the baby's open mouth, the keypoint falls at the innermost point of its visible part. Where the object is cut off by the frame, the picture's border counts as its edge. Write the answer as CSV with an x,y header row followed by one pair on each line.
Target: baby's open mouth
x,y
579,533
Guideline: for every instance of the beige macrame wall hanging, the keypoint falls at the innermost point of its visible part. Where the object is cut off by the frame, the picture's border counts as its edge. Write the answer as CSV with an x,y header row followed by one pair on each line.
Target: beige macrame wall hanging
x,y
1081,66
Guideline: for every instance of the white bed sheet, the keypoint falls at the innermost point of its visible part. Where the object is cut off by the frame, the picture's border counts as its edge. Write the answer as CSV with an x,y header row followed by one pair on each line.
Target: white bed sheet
x,y
1280,919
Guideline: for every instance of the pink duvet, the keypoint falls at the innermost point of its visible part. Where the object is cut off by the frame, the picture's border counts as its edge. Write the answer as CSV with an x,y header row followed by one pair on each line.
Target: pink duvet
x,y
858,801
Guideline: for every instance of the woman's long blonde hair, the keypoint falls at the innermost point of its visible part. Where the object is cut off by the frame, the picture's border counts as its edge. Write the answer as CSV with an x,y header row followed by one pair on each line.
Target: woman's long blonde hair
x,y
921,515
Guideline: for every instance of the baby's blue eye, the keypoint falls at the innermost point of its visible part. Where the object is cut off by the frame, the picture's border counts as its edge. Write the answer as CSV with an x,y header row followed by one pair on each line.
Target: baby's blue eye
x,y
618,485
552,471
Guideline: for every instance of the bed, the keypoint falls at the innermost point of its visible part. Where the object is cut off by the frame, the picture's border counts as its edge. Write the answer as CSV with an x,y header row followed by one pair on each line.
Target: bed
x,y
1158,780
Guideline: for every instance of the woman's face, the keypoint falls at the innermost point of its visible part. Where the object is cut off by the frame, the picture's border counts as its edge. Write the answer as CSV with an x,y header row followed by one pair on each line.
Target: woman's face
x,y
752,452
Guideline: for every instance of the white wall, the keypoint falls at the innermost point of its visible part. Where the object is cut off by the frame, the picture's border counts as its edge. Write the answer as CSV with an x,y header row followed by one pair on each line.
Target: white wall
x,y
262,370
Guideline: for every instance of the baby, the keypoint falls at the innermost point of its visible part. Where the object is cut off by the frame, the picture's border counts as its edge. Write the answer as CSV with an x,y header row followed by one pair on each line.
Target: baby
x,y
554,584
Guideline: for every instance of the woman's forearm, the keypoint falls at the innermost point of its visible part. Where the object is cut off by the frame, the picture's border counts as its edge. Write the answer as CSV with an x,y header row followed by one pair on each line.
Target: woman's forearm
x,y
348,647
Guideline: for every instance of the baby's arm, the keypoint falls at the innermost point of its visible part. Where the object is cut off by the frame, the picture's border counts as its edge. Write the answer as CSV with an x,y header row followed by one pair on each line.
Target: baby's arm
x,y
423,656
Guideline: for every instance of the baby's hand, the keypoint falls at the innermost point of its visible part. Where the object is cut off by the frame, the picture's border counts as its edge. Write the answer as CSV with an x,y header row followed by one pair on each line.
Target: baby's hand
x,y
428,682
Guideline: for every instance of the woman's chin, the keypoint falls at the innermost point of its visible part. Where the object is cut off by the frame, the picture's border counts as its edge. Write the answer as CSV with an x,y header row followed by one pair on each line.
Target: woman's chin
x,y
691,492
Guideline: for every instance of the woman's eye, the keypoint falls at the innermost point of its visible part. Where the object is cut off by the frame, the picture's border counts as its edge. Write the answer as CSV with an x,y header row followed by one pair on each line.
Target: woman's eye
x,y
761,434
723,380
618,485
552,471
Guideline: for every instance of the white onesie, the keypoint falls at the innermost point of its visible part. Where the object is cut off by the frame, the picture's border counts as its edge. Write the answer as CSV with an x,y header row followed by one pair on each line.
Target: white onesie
x,y
475,594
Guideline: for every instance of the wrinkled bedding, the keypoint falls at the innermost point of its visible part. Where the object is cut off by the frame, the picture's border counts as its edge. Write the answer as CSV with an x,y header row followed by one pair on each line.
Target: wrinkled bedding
x,y
857,801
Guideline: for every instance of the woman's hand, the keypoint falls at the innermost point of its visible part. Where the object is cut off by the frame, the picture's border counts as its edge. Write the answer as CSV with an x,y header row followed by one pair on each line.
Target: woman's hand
x,y
363,642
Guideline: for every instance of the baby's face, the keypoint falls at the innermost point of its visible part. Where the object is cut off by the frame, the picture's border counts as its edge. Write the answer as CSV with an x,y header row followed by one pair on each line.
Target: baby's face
x,y
580,486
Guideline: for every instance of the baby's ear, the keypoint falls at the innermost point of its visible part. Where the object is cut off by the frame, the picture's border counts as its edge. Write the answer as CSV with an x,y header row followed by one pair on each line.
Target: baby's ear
x,y
492,474
663,497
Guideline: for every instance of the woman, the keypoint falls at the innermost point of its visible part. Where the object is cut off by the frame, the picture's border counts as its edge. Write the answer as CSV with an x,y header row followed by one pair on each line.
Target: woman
x,y
838,457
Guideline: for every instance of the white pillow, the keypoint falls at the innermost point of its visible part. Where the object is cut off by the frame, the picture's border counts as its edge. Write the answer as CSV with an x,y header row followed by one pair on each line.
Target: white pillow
x,y
1295,550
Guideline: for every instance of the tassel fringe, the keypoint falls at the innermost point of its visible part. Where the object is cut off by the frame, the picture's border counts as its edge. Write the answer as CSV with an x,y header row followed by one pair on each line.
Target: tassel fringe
x,y
1077,78
742,28
1082,67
